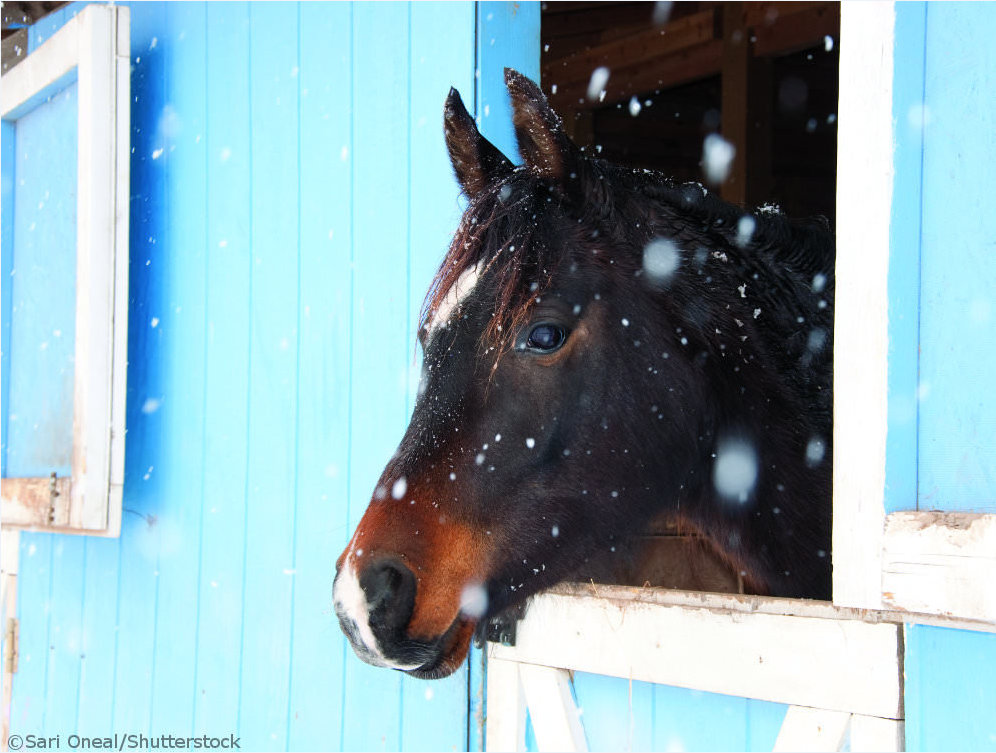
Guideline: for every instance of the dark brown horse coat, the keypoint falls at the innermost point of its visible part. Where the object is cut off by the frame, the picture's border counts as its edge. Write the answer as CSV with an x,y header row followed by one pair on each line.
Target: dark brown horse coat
x,y
602,346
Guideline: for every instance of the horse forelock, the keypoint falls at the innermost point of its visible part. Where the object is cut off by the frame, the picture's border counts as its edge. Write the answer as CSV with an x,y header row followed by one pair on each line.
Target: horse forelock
x,y
499,243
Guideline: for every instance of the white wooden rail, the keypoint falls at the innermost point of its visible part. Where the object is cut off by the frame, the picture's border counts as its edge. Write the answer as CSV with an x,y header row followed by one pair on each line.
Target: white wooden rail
x,y
839,669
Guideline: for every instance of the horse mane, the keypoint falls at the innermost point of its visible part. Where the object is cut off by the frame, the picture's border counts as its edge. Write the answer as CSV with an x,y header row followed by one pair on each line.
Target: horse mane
x,y
503,233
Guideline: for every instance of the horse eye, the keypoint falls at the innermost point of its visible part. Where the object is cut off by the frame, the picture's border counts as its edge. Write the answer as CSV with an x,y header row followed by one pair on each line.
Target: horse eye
x,y
546,337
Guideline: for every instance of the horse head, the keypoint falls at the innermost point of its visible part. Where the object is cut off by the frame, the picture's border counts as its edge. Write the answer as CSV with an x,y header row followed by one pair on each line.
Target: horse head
x,y
601,346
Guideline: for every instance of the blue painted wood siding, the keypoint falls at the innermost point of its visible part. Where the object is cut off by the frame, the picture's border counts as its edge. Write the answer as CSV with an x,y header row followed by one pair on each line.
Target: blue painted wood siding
x,y
942,284
942,291
623,715
291,199
950,689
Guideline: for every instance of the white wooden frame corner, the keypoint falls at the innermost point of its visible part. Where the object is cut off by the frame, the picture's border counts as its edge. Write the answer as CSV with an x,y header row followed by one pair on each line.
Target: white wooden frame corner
x,y
94,49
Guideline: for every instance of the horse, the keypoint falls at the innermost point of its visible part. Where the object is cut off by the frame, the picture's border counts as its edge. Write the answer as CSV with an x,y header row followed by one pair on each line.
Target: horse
x,y
602,346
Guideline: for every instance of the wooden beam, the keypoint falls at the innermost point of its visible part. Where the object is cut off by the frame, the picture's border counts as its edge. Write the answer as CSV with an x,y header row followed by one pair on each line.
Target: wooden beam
x,y
552,710
940,563
679,68
506,730
760,15
735,94
690,49
572,73
39,503
871,733
857,668
26,85
14,49
593,20
792,32
865,147
807,729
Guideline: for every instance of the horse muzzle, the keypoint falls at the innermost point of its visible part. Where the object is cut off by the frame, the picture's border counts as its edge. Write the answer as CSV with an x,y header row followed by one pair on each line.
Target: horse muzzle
x,y
375,604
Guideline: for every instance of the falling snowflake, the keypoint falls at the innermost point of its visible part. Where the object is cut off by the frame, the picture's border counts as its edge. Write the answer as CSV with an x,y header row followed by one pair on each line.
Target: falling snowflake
x,y
717,158
596,85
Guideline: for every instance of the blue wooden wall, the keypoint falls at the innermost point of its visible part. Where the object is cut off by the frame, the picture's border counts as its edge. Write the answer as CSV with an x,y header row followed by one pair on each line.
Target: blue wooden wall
x,y
950,690
942,295
942,418
290,199
623,715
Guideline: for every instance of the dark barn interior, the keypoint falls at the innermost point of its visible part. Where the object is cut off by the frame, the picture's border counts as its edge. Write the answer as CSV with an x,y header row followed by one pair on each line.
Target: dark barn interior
x,y
763,75
17,17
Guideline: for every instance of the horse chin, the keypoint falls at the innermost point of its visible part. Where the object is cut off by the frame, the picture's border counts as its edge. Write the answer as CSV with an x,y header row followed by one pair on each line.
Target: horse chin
x,y
453,650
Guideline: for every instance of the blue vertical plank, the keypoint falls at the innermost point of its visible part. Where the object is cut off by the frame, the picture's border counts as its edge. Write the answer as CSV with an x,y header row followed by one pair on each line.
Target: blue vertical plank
x,y
621,715
7,181
99,626
508,35
134,638
315,717
218,656
180,126
764,722
958,304
950,697
616,713
904,260
435,213
147,243
435,716
34,601
64,635
273,401
694,720
380,345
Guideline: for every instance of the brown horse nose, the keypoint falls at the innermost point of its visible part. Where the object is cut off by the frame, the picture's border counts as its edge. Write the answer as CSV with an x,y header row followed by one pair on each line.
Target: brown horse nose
x,y
390,588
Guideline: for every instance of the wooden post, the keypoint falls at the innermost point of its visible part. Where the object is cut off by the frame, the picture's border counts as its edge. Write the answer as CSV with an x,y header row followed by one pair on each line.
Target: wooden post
x,y
746,111
551,708
736,61
506,706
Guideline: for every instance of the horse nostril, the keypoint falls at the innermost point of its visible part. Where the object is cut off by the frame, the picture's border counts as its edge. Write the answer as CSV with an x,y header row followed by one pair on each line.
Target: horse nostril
x,y
390,590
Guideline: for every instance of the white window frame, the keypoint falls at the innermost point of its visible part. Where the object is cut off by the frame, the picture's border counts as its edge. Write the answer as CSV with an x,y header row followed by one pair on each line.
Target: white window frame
x,y
838,665
92,48
914,562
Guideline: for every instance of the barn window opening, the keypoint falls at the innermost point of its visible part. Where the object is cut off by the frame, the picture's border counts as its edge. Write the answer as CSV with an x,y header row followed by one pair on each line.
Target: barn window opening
x,y
741,97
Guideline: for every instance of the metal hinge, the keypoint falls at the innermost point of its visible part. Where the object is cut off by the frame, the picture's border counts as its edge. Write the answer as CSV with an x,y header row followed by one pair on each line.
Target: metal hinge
x,y
10,637
53,497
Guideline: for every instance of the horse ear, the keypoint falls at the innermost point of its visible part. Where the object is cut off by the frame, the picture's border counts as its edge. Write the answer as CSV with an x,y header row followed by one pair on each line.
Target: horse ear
x,y
544,144
475,160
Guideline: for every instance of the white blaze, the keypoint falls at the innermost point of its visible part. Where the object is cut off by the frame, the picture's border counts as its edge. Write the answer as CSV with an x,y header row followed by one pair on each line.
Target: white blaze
x,y
459,291
351,602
